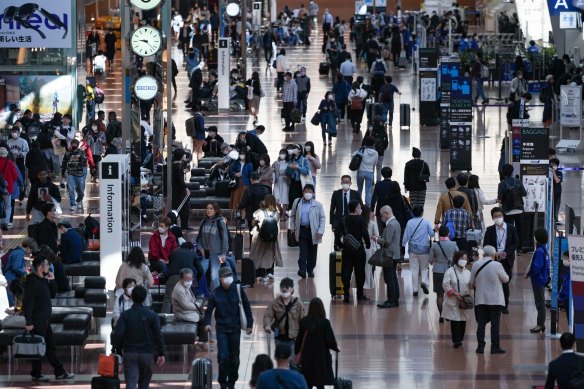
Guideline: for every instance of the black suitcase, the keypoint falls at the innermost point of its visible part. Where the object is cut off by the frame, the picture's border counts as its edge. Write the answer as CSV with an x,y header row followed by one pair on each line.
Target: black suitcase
x,y
404,115
373,109
222,188
248,273
236,240
105,383
323,68
341,383
201,374
335,283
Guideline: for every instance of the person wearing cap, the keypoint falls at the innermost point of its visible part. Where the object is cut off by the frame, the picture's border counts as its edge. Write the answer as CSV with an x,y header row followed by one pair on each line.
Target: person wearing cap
x,y
224,301
282,317
289,97
74,167
10,174
281,376
37,309
71,246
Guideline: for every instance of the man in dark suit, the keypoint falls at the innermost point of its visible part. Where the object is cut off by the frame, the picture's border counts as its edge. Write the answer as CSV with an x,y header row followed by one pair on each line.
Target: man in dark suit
x,y
388,192
340,205
390,243
567,366
503,236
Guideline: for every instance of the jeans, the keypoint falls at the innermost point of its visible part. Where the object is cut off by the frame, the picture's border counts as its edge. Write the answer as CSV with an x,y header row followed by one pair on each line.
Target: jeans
x,y
138,369
7,199
419,264
480,91
90,106
392,283
45,330
308,251
76,185
353,261
385,109
367,178
485,314
52,160
539,296
228,357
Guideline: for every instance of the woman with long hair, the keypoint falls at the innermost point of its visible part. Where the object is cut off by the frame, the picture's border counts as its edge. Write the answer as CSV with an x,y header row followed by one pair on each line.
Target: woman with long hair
x,y
265,252
240,171
356,102
328,117
256,95
262,363
135,267
315,339
473,184
281,182
312,158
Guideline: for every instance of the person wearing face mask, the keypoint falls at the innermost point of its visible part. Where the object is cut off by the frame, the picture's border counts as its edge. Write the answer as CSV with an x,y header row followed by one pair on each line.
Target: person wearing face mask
x,y
74,167
96,141
224,302
297,166
503,237
281,182
303,83
440,257
162,243
328,117
289,98
212,143
456,283
283,314
240,171
123,299
312,158
265,171
307,221
18,147
339,208
518,86
185,305
557,178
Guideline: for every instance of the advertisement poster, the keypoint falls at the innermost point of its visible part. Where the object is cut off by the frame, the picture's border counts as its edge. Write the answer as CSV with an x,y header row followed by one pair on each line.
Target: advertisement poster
x,y
576,251
535,187
28,24
534,166
44,95
571,105
460,124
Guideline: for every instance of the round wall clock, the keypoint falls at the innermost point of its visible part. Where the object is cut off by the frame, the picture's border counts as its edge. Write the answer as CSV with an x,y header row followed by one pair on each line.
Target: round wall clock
x,y
146,41
146,4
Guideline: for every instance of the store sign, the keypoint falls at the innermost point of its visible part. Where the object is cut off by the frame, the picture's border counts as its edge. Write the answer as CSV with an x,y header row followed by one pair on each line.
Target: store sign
x,y
146,88
571,105
534,145
576,252
26,24
223,74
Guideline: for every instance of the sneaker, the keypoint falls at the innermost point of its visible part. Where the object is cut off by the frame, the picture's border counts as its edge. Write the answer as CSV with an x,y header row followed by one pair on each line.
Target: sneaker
x,y
9,225
41,378
72,208
270,276
80,206
425,288
65,376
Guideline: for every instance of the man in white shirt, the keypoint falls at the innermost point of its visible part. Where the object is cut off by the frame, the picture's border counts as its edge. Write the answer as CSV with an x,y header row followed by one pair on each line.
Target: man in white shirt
x,y
327,22
487,277
347,69
99,64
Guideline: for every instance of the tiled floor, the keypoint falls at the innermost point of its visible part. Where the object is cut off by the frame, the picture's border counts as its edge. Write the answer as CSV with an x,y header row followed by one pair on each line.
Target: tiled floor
x,y
405,347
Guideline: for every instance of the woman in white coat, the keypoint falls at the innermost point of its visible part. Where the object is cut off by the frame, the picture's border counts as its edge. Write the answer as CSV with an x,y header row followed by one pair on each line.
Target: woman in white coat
x,y
473,184
456,284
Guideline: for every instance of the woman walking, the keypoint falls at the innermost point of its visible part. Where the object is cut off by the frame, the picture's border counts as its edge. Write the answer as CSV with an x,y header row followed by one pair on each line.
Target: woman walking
x,y
212,242
365,173
341,89
441,257
256,94
315,339
240,171
328,118
372,230
473,184
356,101
265,171
313,160
416,173
265,253
281,182
456,284
297,166
539,272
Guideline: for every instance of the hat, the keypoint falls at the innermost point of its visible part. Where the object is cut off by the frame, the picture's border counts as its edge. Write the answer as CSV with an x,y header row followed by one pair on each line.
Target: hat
x,y
3,152
225,272
283,351
548,78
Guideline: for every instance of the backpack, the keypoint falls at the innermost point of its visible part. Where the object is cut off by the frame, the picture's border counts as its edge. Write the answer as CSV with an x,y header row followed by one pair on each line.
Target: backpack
x,y
91,227
379,67
381,139
113,130
357,103
191,126
450,225
269,229
5,257
512,198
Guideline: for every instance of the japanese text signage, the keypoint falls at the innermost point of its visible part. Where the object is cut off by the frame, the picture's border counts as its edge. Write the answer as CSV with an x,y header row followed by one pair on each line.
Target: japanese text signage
x,y
41,24
460,123
576,252
428,58
571,105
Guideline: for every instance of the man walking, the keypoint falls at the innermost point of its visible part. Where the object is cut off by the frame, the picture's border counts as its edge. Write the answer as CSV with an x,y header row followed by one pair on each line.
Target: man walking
x,y
303,85
74,166
386,98
137,334
224,301
390,243
289,96
487,277
340,200
281,376
327,22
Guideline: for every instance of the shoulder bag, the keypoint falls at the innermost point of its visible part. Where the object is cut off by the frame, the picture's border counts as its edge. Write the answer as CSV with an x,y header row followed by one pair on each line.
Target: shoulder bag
x,y
467,300
443,253
423,177
355,163
316,118
349,241
275,326
242,317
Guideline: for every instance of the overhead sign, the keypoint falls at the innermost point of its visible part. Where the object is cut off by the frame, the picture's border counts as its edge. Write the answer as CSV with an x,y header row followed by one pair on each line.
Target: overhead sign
x,y
571,105
27,24
568,20
223,69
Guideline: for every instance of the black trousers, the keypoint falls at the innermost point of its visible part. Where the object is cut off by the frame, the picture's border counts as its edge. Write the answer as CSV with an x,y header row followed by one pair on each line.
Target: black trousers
x,y
506,286
286,110
353,261
517,221
485,314
457,330
392,283
45,330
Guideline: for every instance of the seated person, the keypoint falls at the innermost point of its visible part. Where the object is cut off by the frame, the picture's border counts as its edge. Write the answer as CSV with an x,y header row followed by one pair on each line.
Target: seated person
x,y
212,143
123,299
135,268
71,246
15,266
162,243
213,84
185,305
183,257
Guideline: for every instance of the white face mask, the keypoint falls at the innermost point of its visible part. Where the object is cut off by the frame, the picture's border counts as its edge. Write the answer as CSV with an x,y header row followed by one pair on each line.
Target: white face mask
x,y
242,157
462,262
94,128
498,221
282,156
290,152
331,97
162,230
188,284
262,163
296,151
228,280
129,291
345,187
308,196
285,294
307,148
554,167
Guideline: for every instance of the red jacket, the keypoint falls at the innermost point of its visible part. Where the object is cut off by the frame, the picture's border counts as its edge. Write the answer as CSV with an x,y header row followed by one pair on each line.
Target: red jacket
x,y
84,146
156,252
8,170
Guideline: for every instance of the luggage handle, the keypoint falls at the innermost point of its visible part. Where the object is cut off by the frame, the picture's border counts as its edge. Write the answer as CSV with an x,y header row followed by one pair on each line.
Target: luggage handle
x,y
183,202
337,366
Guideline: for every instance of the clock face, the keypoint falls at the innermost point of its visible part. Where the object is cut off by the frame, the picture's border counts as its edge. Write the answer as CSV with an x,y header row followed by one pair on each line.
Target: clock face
x,y
146,41
146,4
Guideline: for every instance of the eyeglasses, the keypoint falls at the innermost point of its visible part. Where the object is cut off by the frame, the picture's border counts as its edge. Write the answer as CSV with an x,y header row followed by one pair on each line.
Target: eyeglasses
x,y
23,14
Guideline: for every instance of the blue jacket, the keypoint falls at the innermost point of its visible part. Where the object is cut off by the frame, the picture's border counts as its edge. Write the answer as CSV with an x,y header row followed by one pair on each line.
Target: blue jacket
x,y
540,267
138,331
245,171
71,246
303,168
225,303
15,265
341,91
20,184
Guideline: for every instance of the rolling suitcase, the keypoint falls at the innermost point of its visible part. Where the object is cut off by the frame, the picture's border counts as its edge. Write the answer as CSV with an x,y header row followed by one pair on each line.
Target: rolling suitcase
x,y
402,61
404,115
248,272
323,68
335,282
373,109
201,374
341,383
105,383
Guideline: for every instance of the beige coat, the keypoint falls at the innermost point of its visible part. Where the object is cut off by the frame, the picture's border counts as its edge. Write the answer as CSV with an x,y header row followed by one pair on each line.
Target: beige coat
x,y
184,304
142,276
264,254
450,308
276,310
316,216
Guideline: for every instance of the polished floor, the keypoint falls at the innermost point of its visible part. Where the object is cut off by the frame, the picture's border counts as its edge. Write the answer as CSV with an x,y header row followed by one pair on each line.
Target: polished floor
x,y
398,348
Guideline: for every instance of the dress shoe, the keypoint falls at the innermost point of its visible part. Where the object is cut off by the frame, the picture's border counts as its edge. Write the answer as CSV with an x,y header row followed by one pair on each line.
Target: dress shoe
x,y
415,294
457,345
310,274
386,304
505,311
362,298
425,289
441,320
480,350
303,275
498,351
346,300
537,329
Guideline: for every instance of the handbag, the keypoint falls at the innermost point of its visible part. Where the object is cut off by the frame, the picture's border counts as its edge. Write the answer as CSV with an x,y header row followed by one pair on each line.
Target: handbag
x,y
291,235
29,346
316,118
108,365
423,177
376,259
467,301
355,163
349,240
242,317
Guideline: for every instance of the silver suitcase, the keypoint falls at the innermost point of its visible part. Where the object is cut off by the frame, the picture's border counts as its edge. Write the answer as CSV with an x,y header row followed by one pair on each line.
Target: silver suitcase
x,y
201,374
473,235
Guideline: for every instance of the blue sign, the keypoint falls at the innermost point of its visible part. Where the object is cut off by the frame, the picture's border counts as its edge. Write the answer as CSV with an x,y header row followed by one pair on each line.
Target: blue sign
x,y
557,6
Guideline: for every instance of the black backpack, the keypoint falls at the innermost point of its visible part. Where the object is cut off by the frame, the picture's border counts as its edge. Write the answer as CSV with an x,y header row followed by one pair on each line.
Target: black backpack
x,y
379,67
269,229
512,198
